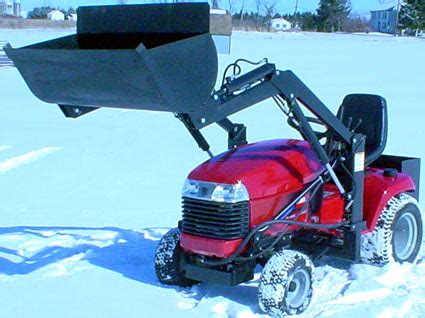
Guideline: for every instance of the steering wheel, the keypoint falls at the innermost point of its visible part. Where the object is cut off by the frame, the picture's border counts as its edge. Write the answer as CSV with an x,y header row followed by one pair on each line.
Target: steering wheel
x,y
320,135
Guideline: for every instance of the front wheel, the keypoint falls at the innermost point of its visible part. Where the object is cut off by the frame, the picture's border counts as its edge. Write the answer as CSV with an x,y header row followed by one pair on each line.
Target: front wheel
x,y
286,284
167,260
397,235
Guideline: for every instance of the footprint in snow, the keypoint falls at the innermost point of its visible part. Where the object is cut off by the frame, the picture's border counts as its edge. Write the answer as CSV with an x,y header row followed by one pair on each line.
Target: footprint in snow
x,y
323,296
190,298
223,310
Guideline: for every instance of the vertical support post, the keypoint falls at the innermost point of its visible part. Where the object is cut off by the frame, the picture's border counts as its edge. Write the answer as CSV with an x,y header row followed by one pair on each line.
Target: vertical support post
x,y
309,134
295,14
236,133
397,18
356,165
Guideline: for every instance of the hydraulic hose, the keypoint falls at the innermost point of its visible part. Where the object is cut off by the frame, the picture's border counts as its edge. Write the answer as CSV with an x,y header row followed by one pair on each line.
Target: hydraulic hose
x,y
234,256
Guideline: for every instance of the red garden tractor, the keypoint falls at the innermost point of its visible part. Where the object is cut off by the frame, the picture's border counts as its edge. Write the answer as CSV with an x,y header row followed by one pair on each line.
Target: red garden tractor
x,y
281,204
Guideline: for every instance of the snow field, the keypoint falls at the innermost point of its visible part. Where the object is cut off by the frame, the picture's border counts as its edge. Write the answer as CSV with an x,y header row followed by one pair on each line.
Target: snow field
x,y
84,202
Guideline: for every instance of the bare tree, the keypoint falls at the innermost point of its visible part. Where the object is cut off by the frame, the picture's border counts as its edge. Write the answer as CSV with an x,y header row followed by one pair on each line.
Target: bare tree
x,y
214,4
258,20
266,8
242,9
232,6
269,7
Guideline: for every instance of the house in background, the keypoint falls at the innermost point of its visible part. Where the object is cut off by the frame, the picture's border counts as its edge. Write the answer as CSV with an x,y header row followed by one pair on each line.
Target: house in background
x,y
56,15
280,24
17,8
10,9
384,21
6,8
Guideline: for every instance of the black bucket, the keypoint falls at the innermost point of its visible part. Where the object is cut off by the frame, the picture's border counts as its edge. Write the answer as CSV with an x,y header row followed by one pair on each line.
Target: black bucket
x,y
154,57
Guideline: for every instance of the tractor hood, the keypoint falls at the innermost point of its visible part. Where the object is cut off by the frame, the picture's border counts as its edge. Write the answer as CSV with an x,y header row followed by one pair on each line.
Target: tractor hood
x,y
265,168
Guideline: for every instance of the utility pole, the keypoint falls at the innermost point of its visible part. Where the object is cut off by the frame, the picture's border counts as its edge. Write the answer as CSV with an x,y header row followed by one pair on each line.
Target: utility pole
x,y
295,13
397,17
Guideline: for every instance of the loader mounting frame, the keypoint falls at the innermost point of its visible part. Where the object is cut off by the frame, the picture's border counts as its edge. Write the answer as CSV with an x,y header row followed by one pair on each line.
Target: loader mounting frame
x,y
266,82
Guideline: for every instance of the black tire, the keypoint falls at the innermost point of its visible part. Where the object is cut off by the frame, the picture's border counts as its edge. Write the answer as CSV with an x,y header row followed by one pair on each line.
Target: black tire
x,y
167,260
286,286
397,235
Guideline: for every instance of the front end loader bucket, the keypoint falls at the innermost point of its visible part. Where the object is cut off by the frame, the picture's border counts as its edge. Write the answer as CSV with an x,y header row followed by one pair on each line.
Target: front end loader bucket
x,y
153,57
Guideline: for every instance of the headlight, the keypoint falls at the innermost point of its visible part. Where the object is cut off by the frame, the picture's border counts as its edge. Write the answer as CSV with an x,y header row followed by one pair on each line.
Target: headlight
x,y
218,192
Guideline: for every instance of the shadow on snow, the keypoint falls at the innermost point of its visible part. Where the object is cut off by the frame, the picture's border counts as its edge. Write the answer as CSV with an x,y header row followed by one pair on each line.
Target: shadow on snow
x,y
131,254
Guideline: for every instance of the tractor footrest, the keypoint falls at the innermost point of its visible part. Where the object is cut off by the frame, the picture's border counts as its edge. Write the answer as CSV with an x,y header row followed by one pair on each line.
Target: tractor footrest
x,y
238,275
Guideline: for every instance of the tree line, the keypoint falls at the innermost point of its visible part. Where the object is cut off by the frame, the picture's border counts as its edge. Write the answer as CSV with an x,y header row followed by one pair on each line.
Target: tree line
x,y
412,16
330,16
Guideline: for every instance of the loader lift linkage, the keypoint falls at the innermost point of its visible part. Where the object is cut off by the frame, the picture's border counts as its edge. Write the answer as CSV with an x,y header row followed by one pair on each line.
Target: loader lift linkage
x,y
266,82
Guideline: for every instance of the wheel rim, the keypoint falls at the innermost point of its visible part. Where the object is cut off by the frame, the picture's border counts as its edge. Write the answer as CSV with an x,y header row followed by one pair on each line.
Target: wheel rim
x,y
405,236
298,288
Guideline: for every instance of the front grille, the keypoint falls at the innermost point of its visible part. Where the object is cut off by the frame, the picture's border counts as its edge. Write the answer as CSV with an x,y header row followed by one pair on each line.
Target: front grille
x,y
219,220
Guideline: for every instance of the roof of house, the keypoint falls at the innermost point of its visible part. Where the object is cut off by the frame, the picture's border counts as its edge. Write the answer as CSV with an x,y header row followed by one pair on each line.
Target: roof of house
x,y
381,10
280,19
56,12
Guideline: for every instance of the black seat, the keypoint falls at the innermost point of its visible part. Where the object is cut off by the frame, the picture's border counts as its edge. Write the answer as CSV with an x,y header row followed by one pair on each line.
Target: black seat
x,y
367,115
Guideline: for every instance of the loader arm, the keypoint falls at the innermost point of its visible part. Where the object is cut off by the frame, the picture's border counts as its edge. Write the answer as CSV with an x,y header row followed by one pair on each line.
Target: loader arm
x,y
284,83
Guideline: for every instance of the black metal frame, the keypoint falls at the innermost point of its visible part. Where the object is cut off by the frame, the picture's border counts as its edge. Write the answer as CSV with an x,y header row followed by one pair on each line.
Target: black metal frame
x,y
265,82
260,84
236,132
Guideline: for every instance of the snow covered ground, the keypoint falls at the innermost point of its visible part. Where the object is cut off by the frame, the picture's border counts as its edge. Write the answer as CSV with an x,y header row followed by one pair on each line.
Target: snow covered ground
x,y
84,202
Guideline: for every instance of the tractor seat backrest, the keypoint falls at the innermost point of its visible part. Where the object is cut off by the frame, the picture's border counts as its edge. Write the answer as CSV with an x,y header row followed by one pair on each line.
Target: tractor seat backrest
x,y
367,115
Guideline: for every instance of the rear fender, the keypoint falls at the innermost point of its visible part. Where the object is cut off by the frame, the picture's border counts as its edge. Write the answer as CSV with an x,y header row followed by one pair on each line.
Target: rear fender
x,y
379,190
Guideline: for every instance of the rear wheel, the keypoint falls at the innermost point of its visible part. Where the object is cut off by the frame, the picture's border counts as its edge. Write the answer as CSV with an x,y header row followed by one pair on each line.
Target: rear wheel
x,y
286,284
397,235
167,260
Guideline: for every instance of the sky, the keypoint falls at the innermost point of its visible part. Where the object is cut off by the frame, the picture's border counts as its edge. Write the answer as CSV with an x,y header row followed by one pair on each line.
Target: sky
x,y
284,6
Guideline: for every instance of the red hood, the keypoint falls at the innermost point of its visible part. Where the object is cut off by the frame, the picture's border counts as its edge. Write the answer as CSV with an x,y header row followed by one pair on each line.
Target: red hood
x,y
265,168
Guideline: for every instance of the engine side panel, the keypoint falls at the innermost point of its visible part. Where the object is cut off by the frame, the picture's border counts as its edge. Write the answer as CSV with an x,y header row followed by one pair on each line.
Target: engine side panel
x,y
331,210
265,209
